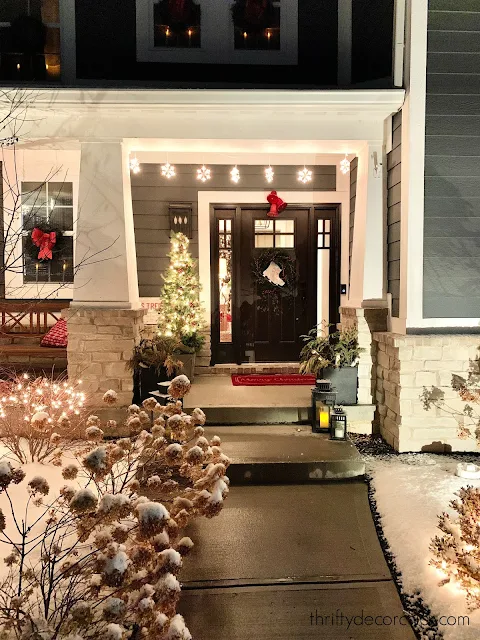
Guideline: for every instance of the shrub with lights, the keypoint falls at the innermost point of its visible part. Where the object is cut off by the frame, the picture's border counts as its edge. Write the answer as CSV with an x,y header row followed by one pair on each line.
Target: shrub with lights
x,y
32,410
100,556
456,554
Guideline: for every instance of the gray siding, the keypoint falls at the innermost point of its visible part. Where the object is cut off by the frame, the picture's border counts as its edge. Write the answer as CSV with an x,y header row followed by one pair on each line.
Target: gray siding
x,y
452,162
353,197
152,194
394,212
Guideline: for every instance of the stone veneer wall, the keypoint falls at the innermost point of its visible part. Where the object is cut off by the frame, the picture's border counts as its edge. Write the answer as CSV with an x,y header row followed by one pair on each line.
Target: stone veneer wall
x,y
366,321
404,365
99,345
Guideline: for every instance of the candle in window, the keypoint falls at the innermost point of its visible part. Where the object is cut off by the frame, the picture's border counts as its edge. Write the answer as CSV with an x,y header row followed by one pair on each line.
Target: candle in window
x,y
269,35
18,67
36,269
190,37
245,36
63,270
167,33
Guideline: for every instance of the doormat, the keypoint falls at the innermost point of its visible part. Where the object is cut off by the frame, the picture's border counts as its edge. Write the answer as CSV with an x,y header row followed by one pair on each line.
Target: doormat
x,y
264,380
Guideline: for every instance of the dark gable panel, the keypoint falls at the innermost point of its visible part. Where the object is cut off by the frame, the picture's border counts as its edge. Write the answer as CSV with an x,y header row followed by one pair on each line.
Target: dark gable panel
x,y
152,194
106,50
452,162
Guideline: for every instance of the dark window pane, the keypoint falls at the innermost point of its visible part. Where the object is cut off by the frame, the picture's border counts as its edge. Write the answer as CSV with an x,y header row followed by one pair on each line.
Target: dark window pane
x,y
34,194
61,218
11,9
34,217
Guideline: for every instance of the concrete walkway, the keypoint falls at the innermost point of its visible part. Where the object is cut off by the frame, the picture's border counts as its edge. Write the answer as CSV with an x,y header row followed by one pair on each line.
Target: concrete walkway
x,y
279,561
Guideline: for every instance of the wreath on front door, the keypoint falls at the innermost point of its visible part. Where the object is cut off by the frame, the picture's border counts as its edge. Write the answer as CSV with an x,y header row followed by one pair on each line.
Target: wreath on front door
x,y
275,277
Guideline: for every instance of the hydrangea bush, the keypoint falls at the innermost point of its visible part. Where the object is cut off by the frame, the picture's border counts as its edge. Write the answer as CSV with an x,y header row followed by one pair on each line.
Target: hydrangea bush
x,y
101,556
456,553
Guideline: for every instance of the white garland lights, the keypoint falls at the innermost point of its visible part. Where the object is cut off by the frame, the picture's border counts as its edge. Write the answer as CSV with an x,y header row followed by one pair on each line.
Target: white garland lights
x,y
204,173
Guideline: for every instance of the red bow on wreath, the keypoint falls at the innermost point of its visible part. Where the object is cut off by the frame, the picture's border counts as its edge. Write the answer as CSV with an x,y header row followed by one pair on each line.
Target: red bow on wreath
x,y
45,241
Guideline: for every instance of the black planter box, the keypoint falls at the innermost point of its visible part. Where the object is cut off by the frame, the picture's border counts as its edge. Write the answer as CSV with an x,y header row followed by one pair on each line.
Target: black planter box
x,y
146,380
344,381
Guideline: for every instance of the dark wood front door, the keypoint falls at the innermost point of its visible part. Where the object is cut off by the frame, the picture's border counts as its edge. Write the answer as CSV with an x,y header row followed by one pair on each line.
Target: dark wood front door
x,y
264,279
276,305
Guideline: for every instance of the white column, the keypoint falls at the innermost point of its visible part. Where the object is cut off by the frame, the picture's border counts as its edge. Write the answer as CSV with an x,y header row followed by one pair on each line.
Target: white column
x,y
105,242
367,274
373,274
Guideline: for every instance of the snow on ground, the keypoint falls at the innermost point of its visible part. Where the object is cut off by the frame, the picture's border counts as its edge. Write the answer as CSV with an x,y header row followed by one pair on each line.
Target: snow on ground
x,y
411,491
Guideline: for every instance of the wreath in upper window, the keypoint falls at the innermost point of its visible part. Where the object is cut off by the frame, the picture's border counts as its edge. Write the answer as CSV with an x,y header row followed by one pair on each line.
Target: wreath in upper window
x,y
275,276
253,15
45,243
177,14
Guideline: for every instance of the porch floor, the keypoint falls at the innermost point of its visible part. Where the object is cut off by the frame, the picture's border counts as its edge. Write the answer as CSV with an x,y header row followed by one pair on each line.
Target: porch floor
x,y
218,391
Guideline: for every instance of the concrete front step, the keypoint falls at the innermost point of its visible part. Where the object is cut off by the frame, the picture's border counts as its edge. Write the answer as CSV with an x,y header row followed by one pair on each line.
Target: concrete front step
x,y
248,368
286,455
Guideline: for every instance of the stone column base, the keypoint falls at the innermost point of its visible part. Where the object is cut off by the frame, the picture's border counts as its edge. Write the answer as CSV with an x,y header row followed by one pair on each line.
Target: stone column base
x,y
100,343
406,364
366,322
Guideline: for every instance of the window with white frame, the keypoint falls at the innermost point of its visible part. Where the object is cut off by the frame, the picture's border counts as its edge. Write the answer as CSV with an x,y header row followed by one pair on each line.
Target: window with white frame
x,y
218,31
46,12
48,207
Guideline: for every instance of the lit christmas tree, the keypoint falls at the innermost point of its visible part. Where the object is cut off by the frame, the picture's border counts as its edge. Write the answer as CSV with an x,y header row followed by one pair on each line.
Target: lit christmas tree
x,y
181,313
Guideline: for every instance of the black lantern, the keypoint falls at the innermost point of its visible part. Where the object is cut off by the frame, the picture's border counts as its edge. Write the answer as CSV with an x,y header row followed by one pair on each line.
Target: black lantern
x,y
323,401
338,424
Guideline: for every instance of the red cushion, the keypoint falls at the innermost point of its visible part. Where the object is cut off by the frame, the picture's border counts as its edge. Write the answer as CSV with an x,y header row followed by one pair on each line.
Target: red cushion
x,y
57,336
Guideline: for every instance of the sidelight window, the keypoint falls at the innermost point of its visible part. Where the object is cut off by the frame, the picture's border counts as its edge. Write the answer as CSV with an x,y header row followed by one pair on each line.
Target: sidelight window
x,y
225,279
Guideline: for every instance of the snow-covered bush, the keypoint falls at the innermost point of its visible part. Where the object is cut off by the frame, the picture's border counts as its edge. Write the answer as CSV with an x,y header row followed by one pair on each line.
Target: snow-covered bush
x,y
456,554
468,392
37,414
100,557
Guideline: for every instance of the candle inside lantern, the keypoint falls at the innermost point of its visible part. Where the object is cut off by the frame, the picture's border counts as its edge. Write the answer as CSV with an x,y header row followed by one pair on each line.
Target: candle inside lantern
x,y
339,432
324,417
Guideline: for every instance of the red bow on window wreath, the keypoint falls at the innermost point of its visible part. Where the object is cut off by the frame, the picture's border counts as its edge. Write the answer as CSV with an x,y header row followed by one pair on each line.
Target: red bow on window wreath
x,y
45,241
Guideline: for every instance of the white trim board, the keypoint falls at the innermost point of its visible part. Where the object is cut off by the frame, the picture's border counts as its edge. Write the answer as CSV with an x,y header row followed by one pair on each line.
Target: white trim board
x,y
208,198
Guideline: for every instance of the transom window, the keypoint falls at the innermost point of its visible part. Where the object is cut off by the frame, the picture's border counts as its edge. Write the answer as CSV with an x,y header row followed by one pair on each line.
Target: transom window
x,y
48,206
217,32
275,233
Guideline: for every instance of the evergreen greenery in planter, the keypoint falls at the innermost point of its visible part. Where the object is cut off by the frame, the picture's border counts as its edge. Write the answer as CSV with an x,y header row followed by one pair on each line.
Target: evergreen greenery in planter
x,y
333,356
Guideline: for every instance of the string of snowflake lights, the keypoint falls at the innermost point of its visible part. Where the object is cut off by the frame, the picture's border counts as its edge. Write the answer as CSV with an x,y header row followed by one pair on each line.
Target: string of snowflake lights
x,y
305,175
345,165
204,173
269,173
134,165
168,170
235,174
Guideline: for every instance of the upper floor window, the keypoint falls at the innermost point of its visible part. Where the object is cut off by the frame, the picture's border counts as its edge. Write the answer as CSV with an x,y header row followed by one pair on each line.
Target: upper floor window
x,y
217,31
29,40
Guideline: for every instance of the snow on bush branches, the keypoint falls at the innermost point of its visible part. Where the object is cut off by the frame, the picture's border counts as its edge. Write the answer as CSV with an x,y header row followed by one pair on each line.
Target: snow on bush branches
x,y
100,558
456,554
